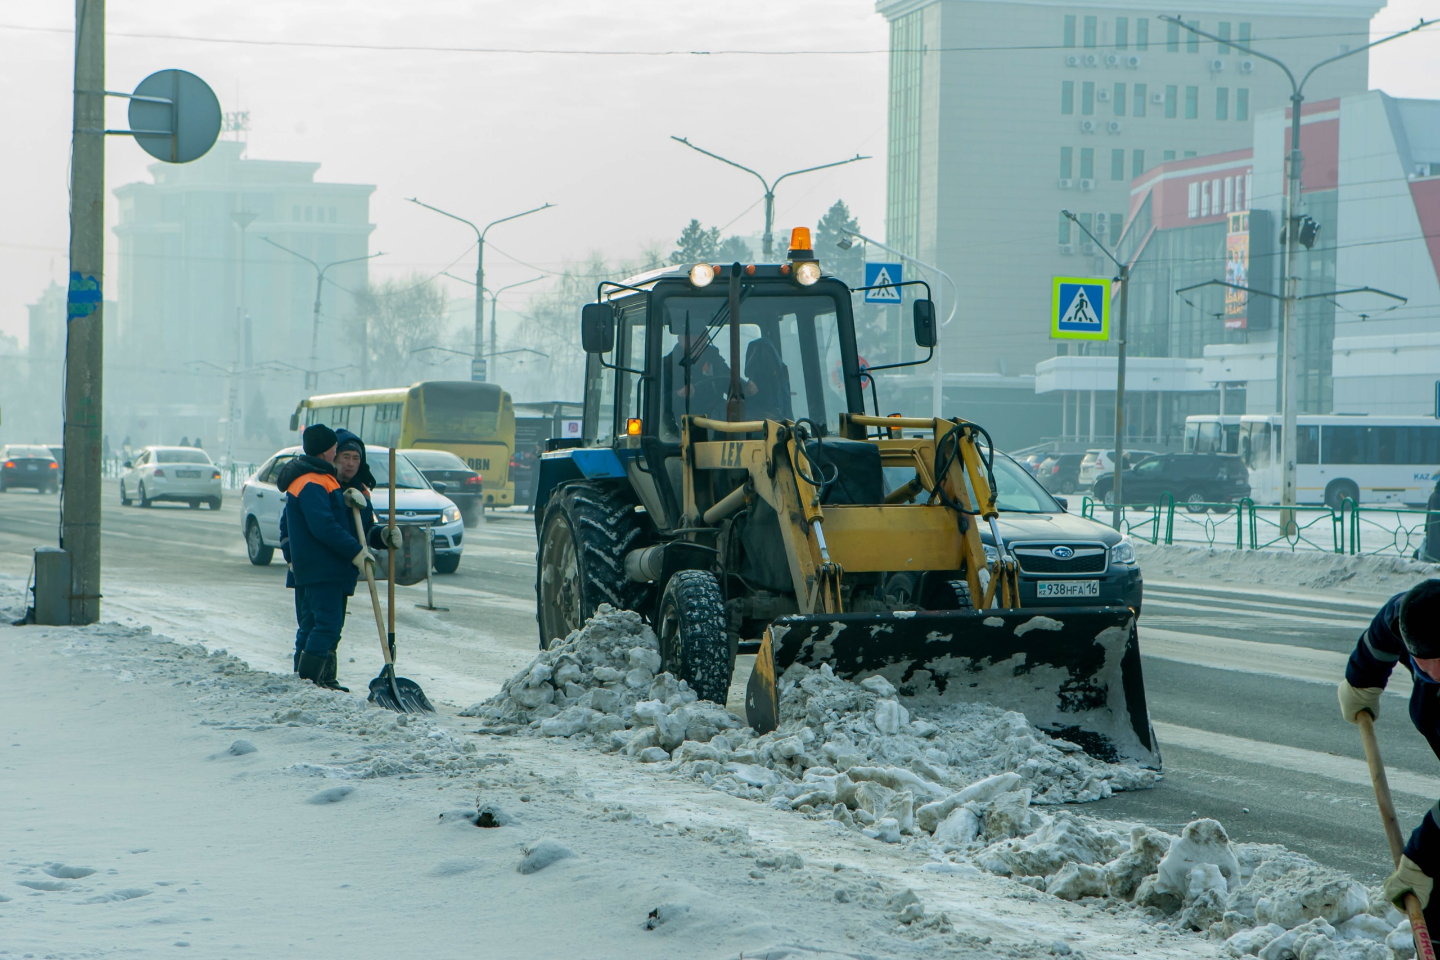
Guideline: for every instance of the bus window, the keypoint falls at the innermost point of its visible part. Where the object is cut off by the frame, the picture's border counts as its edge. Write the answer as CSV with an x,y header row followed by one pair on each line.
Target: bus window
x,y
1343,445
1255,445
1231,434
1307,450
1192,431
1208,440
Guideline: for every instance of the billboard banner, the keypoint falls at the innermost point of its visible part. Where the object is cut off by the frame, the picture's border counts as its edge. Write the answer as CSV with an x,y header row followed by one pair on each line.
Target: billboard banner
x,y
1237,269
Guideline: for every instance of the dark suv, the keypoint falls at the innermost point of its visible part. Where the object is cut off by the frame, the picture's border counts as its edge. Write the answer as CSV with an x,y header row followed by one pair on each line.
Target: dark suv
x,y
1060,472
1193,479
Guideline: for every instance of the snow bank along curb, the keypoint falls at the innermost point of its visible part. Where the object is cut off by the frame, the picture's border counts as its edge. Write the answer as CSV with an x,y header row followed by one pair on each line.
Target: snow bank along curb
x,y
968,785
1311,569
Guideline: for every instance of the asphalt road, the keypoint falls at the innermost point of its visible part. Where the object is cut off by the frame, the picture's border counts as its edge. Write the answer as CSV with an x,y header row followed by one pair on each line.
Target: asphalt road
x,y
1240,680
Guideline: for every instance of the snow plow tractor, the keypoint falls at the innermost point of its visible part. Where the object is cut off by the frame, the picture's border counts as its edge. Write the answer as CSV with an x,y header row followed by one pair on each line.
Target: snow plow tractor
x,y
732,488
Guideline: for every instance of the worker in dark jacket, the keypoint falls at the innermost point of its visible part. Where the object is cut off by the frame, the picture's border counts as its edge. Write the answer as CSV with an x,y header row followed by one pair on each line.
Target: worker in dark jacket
x,y
1407,629
326,558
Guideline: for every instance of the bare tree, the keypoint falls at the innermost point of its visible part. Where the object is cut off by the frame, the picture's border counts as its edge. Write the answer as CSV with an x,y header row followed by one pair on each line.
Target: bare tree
x,y
397,317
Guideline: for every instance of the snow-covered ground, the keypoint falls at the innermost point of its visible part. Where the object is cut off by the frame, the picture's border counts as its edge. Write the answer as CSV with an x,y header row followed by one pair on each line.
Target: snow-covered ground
x,y
1373,578
157,796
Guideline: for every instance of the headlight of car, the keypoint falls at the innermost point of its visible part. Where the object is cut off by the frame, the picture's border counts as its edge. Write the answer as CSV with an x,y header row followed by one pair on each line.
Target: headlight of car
x,y
1123,552
450,515
991,554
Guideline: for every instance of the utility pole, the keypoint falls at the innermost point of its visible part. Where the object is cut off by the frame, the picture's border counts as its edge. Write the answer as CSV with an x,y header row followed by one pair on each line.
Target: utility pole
x,y
312,373
480,270
1290,341
84,318
769,237
939,373
1123,278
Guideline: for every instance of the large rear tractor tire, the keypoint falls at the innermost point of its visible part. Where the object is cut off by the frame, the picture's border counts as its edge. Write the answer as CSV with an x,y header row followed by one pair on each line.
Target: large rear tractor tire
x,y
586,531
694,635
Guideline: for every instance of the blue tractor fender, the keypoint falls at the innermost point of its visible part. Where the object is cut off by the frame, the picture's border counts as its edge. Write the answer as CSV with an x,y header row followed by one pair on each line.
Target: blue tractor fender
x,y
559,467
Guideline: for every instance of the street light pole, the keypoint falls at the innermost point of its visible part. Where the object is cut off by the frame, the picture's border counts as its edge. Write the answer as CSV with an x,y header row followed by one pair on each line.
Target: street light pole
x,y
480,269
937,390
494,306
769,237
1290,349
243,219
312,374
1116,489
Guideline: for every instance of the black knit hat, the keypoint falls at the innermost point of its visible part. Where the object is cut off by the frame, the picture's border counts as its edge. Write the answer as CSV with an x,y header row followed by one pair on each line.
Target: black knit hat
x,y
1420,620
317,438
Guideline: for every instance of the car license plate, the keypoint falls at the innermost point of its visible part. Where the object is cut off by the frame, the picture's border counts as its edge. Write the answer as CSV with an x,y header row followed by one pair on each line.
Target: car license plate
x,y
1067,588
187,474
31,466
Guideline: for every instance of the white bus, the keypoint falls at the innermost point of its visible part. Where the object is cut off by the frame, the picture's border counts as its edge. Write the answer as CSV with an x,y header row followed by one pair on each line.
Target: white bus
x,y
1369,459
1212,433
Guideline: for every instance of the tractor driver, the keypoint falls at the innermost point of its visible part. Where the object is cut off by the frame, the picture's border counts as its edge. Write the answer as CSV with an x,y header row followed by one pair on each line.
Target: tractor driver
x,y
1406,631
708,380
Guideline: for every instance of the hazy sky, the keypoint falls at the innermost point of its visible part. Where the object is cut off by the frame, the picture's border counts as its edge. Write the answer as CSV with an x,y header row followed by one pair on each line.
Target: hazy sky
x,y
489,134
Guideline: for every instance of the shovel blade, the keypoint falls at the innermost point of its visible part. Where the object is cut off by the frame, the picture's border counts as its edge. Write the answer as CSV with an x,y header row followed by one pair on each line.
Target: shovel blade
x,y
398,694
1073,671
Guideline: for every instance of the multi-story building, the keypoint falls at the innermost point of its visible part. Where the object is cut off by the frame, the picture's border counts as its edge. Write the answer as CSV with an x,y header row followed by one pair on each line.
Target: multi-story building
x,y
1002,114
185,241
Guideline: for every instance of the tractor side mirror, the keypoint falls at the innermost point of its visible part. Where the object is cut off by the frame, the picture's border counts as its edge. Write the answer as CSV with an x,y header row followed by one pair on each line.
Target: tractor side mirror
x,y
597,327
926,333
295,421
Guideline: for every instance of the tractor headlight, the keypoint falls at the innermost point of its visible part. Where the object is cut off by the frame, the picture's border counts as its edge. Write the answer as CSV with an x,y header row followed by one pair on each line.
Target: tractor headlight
x,y
807,273
991,554
450,514
1123,552
701,275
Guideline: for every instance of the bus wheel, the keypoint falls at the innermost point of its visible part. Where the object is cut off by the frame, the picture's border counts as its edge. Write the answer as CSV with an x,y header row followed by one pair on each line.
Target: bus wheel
x,y
1338,490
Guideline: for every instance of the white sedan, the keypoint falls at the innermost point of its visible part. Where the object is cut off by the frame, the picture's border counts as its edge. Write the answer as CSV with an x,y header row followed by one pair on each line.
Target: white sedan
x,y
176,474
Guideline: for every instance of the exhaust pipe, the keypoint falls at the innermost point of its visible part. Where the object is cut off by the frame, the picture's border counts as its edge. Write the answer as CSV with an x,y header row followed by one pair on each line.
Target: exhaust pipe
x,y
646,564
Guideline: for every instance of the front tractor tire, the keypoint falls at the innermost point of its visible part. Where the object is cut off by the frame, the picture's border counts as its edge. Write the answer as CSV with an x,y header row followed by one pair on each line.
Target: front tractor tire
x,y
586,531
694,635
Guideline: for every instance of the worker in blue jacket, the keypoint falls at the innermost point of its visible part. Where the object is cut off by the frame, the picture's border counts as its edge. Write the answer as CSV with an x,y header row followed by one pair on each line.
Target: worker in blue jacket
x,y
318,539
1407,629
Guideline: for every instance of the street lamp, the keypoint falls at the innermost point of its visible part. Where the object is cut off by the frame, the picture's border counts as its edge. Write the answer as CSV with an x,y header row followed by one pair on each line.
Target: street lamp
x,y
480,268
494,299
312,375
768,238
1124,280
1290,348
845,243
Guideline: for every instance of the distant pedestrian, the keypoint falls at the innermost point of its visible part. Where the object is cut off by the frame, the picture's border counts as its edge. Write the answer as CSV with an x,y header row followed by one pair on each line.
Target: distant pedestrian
x,y
184,441
197,445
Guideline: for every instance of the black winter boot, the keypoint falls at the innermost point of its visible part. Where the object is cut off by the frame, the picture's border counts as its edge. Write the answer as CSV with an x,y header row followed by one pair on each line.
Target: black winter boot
x,y
328,678
311,666
295,667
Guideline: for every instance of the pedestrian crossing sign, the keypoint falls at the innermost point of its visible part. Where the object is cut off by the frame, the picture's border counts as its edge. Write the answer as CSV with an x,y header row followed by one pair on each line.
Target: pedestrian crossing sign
x,y
1081,309
882,276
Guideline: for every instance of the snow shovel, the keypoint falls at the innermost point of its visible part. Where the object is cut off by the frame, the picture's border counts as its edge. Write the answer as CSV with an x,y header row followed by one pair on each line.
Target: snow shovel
x,y
1424,950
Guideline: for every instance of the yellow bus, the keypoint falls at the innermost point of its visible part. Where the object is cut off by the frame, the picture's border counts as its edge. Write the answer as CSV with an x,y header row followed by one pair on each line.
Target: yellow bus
x,y
474,421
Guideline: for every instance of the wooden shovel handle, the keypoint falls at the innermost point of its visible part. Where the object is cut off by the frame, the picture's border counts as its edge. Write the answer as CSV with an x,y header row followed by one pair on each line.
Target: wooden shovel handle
x,y
374,594
1424,949
390,523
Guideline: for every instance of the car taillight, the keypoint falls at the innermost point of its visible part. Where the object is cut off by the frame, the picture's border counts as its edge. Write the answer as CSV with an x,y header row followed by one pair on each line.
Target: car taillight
x,y
1055,469
9,464
54,465
513,464
159,472
474,481
214,474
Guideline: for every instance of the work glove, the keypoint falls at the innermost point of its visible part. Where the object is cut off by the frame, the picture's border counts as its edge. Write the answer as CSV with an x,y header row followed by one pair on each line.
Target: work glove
x,y
1408,878
354,498
1355,699
392,537
363,557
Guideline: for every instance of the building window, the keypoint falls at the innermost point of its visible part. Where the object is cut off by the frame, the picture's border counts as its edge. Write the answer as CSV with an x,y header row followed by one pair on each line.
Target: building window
x,y
1222,103
1167,156
1137,163
1224,33
1087,163
1070,31
1067,163
1117,164
332,215
1064,229
1085,225
1122,33
1189,154
1192,40
1192,103
1117,227
1242,103
1067,97
1087,98
1119,98
296,214
1194,199
1172,37
1229,194
1171,93
1139,110
1090,31
1245,34
1142,34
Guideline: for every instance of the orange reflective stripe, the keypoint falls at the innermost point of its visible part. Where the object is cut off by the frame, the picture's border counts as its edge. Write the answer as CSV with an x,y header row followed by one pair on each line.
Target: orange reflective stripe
x,y
324,479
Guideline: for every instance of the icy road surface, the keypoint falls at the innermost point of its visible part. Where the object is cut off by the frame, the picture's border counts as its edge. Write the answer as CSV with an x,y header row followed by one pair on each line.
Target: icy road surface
x,y
1240,674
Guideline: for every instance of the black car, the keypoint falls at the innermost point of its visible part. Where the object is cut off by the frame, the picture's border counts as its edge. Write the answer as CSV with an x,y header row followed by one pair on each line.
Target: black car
x,y
1060,472
450,476
1193,479
29,465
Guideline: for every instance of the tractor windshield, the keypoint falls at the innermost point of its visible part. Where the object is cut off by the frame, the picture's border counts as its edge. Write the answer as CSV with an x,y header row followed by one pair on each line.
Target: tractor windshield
x,y
790,358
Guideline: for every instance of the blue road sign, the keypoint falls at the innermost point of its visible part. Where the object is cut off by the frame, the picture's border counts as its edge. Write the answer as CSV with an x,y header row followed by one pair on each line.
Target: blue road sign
x,y
882,275
1081,309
